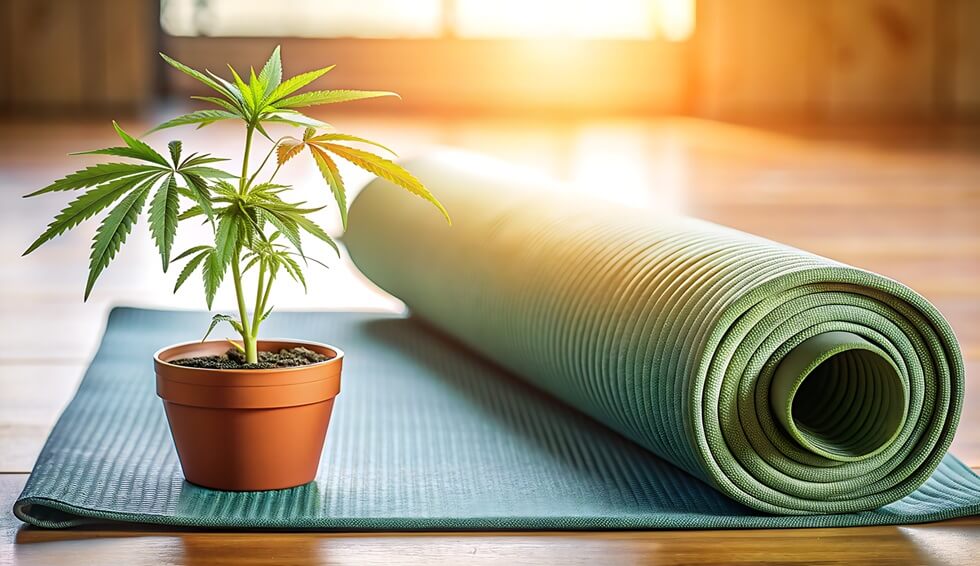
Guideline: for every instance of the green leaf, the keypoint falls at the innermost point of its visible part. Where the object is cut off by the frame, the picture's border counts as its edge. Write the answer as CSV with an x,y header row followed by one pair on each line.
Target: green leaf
x,y
175,147
189,252
257,87
197,75
386,170
199,189
116,151
207,172
84,207
243,90
332,176
293,269
146,152
191,212
223,318
317,97
271,74
200,117
232,107
96,175
112,233
293,84
213,272
286,225
293,118
163,218
347,137
191,266
226,238
311,227
194,160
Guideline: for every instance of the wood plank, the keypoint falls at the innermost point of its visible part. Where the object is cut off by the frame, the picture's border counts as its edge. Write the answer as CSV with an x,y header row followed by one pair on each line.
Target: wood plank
x,y
33,397
50,72
949,542
883,58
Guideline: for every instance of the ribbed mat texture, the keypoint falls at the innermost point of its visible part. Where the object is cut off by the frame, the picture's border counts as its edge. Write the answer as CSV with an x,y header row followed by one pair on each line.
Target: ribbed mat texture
x,y
567,366
791,383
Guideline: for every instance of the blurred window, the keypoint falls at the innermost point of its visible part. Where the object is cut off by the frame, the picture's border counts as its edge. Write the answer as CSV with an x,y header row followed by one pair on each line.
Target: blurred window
x,y
485,19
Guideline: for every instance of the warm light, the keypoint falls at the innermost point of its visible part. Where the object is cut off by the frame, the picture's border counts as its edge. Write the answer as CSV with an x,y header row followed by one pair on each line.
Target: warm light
x,y
546,19
575,19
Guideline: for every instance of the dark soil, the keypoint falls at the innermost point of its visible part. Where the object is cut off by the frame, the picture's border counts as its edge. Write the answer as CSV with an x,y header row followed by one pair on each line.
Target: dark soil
x,y
235,359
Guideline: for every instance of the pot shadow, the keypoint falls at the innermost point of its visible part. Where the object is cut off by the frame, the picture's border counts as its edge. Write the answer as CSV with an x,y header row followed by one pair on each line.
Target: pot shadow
x,y
601,459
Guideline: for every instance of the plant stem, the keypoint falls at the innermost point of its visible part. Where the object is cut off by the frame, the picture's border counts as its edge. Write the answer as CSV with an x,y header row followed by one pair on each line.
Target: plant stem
x,y
264,161
259,292
248,148
248,340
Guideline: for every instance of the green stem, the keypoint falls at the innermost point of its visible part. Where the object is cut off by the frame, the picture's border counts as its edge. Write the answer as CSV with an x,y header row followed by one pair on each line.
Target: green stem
x,y
266,160
251,351
248,148
259,291
274,172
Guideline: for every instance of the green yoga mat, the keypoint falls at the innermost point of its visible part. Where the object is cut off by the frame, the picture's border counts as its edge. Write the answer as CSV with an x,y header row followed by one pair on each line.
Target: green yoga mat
x,y
566,366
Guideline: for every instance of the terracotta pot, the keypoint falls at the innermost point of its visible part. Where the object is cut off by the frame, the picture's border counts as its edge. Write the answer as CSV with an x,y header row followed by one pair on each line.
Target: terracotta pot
x,y
248,430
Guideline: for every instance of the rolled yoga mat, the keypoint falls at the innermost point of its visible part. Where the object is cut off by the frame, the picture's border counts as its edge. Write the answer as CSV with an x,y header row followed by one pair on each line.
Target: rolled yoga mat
x,y
791,383
630,321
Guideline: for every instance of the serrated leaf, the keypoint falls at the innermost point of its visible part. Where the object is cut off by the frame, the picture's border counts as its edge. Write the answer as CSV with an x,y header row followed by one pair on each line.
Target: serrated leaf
x,y
163,218
243,90
199,188
213,272
200,117
197,75
175,147
293,84
96,175
287,149
113,231
208,172
226,238
223,318
293,118
271,74
287,226
84,207
330,173
115,151
195,160
191,266
294,270
191,212
346,137
314,229
388,170
146,152
189,252
229,106
318,97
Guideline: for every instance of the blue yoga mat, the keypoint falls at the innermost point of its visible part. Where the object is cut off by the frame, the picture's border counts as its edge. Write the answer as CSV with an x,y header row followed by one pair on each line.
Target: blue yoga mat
x,y
425,435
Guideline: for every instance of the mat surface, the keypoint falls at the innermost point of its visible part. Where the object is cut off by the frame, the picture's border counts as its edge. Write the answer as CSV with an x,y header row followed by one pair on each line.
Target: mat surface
x,y
425,435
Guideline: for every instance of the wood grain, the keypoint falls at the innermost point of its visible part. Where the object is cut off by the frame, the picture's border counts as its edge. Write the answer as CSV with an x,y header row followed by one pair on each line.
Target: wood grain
x,y
904,201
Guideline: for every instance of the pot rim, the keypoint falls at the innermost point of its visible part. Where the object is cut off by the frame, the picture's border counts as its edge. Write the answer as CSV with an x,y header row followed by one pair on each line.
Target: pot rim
x,y
337,357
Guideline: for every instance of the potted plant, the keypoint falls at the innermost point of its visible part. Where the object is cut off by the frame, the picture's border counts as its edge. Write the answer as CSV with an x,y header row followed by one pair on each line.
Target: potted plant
x,y
252,414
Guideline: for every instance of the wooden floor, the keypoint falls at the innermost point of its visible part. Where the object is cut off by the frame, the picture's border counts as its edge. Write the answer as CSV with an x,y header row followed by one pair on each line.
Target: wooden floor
x,y
903,201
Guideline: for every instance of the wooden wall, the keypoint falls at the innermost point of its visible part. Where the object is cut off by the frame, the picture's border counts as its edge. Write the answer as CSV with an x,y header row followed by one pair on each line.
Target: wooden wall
x,y
771,59
837,59
66,55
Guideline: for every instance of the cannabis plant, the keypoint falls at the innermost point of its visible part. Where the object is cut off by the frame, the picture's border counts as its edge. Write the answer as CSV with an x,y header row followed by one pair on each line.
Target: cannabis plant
x,y
255,226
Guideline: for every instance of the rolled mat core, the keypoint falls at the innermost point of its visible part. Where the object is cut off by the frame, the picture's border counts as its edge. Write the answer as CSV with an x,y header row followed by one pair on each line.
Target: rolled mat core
x,y
840,396
790,382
